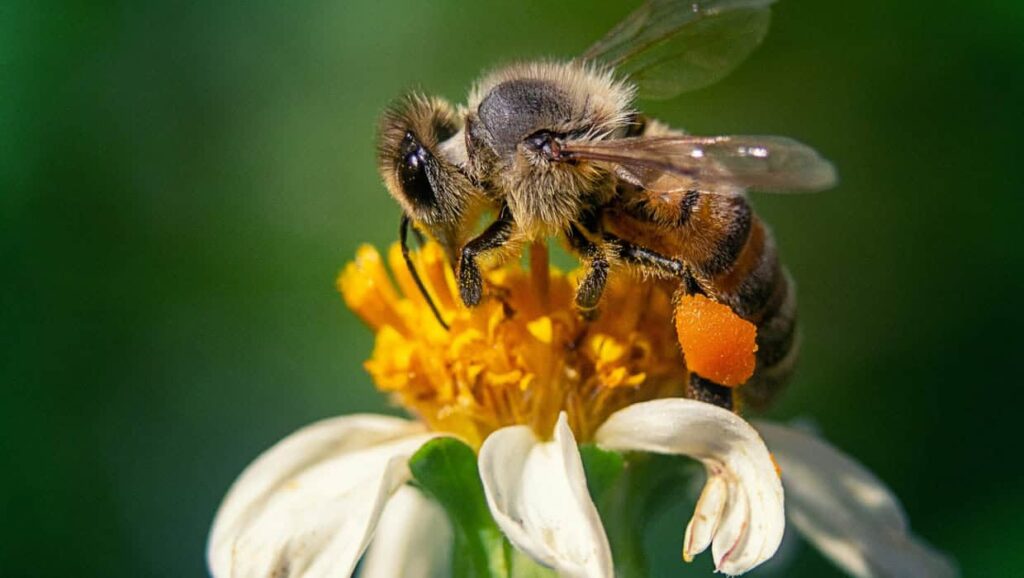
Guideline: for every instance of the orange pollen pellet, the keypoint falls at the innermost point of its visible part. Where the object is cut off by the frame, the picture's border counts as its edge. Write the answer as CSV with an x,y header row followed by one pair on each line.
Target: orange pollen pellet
x,y
718,344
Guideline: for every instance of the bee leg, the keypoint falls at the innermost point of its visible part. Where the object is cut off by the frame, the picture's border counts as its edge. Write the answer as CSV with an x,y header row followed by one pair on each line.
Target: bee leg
x,y
471,283
667,266
703,389
588,294
699,388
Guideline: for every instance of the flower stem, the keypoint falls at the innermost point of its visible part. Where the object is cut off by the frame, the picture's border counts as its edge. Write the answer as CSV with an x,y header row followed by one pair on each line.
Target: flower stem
x,y
629,492
446,470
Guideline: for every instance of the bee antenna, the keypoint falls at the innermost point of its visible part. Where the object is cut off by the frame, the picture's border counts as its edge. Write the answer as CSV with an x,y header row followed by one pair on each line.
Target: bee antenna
x,y
420,239
403,237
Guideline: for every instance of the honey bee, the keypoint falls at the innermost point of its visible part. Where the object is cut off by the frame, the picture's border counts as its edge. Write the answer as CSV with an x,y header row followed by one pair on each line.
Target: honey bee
x,y
557,149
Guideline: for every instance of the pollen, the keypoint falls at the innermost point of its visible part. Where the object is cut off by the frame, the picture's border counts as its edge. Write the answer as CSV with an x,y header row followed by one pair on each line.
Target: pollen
x,y
719,345
520,357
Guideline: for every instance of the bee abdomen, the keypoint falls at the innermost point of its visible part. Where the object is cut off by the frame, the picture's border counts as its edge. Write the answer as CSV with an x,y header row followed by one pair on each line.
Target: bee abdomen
x,y
727,223
768,382
733,256
778,347
759,289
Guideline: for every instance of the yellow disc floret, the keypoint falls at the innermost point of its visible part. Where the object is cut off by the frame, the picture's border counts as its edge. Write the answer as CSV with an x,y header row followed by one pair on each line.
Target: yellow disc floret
x,y
520,357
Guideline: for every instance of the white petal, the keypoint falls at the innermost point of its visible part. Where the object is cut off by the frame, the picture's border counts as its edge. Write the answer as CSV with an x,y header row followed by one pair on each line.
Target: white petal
x,y
744,531
537,493
848,513
413,539
706,517
308,506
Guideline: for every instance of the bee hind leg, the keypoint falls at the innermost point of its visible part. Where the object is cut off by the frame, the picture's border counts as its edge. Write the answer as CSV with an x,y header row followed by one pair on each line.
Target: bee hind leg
x,y
703,389
667,266
697,387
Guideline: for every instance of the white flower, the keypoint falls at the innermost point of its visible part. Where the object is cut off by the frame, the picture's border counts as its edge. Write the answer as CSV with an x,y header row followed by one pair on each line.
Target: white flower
x,y
740,512
310,505
847,512
524,380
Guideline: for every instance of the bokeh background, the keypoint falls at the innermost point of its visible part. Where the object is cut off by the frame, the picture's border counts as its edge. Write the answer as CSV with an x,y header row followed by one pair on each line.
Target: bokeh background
x,y
181,181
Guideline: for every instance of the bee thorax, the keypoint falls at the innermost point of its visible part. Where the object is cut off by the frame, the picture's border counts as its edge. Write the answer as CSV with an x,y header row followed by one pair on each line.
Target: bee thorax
x,y
515,109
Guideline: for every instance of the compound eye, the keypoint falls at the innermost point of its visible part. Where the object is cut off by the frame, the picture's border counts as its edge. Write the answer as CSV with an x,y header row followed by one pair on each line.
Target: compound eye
x,y
412,172
544,142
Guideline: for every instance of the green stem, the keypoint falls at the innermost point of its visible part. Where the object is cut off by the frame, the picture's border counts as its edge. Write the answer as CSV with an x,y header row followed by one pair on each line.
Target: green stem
x,y
446,470
629,491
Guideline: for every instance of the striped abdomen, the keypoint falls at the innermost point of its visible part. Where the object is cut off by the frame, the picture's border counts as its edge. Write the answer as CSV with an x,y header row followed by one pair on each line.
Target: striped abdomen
x,y
733,258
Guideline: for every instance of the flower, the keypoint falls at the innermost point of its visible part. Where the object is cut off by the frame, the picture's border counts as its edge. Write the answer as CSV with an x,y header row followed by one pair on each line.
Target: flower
x,y
519,358
524,381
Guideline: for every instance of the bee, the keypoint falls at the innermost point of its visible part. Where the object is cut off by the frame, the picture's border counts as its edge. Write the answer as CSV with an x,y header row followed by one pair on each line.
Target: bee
x,y
558,149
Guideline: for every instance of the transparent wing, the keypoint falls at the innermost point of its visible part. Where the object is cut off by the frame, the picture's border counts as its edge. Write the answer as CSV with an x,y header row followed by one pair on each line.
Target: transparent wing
x,y
713,164
668,47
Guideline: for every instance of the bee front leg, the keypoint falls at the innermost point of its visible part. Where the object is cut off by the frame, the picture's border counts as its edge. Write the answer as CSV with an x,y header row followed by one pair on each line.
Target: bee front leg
x,y
471,283
591,286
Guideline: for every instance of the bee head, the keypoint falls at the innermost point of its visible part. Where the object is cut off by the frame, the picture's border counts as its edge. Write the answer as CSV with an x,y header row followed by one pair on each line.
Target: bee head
x,y
418,172
517,121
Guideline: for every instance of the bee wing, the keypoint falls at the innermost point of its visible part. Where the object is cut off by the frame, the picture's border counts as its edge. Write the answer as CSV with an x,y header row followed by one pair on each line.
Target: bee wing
x,y
724,164
667,47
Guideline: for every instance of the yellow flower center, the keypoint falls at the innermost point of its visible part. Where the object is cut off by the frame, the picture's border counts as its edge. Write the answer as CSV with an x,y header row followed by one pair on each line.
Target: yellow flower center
x,y
520,357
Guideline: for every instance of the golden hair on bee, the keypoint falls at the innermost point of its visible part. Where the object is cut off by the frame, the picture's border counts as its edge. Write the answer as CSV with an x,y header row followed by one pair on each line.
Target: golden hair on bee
x,y
412,121
557,149
512,109
430,188
595,97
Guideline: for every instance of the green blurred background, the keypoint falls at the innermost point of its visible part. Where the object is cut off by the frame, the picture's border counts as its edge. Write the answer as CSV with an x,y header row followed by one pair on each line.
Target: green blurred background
x,y
181,181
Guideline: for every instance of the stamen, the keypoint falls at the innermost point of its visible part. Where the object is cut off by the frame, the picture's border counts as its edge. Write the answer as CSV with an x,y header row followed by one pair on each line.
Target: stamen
x,y
520,357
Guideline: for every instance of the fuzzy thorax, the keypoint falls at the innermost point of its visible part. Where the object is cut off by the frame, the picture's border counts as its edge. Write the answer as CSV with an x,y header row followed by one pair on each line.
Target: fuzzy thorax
x,y
510,107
